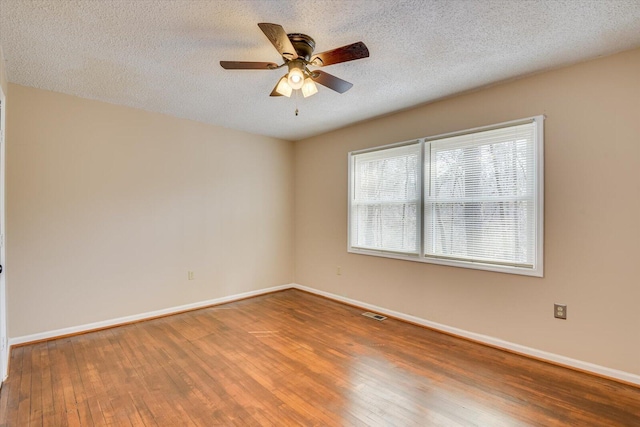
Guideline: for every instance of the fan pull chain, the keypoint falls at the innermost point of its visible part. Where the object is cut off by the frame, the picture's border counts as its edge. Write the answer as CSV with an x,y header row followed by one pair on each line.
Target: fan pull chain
x,y
296,98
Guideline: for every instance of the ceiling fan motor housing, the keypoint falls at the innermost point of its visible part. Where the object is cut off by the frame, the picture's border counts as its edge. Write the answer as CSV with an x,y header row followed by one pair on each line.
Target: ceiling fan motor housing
x,y
303,44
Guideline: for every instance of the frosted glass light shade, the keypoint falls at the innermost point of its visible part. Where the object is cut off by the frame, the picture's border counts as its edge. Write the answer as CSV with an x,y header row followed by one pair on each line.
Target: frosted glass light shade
x,y
295,78
309,87
283,87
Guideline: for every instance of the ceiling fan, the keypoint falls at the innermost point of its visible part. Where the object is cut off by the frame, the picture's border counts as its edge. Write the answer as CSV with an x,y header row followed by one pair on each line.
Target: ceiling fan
x,y
297,52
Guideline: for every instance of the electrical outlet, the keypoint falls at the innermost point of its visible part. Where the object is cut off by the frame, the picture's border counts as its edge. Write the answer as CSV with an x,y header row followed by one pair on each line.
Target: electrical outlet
x,y
190,275
339,271
560,311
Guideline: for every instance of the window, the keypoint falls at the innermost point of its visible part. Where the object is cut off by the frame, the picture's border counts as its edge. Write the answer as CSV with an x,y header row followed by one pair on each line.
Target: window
x,y
469,199
385,206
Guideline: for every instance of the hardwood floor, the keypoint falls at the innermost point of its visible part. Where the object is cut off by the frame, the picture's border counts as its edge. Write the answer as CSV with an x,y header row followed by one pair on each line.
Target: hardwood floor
x,y
291,358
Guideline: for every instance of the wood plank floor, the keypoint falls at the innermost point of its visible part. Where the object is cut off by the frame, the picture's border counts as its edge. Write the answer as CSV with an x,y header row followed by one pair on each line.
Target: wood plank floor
x,y
291,358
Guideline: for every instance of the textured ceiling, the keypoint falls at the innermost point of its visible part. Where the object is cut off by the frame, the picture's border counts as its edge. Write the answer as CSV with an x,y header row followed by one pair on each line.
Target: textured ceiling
x,y
163,56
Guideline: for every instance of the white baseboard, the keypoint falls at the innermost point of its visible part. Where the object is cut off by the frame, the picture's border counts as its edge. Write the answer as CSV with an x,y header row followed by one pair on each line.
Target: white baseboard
x,y
137,317
485,339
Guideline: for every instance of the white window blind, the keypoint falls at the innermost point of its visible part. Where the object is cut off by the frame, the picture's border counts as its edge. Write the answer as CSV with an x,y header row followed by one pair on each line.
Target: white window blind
x,y
385,197
469,199
480,197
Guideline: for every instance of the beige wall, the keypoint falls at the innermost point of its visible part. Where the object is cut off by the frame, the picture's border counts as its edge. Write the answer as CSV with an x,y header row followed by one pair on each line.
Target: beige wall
x,y
109,207
592,254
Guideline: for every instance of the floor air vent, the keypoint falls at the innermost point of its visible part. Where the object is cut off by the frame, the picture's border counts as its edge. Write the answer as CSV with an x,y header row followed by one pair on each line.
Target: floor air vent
x,y
375,316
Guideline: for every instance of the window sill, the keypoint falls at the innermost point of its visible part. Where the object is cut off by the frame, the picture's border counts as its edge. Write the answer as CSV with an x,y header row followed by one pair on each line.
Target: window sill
x,y
534,272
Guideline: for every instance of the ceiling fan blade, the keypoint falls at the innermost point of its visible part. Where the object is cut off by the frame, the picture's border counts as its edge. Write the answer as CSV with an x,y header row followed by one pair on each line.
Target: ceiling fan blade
x,y
245,65
330,81
278,37
342,54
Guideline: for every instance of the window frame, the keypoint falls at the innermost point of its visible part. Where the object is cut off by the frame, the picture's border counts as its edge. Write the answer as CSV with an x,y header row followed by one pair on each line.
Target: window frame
x,y
538,263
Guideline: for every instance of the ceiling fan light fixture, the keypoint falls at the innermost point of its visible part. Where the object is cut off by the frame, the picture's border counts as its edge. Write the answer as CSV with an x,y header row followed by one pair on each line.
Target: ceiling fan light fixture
x,y
283,87
309,87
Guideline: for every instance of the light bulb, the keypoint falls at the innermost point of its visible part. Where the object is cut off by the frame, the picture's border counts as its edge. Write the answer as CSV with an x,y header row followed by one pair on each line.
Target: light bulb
x,y
283,87
295,78
309,88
